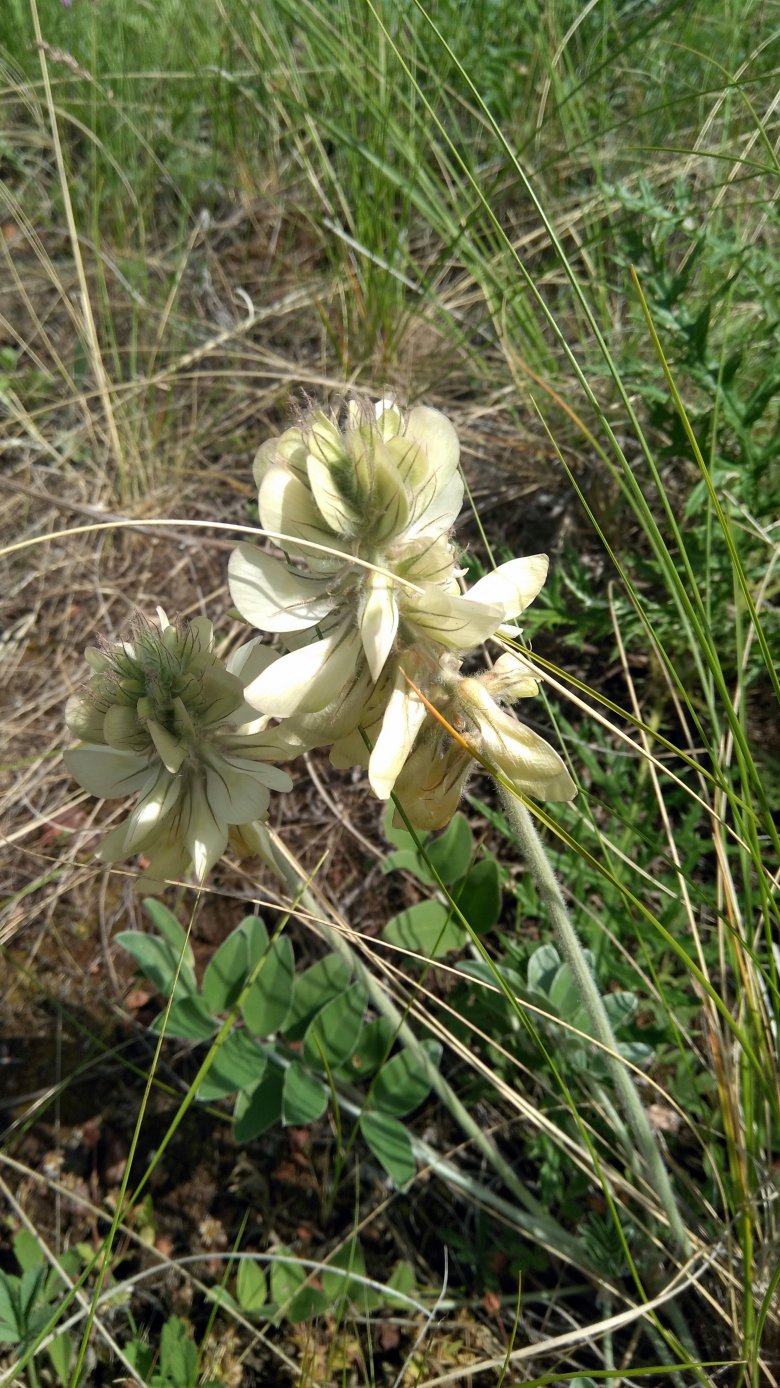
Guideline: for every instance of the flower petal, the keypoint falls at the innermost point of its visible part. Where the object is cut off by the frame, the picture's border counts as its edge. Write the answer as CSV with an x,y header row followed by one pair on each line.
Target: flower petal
x,y
204,837
84,719
264,771
170,750
431,783
512,586
388,417
379,621
512,677
287,507
453,621
436,506
288,450
338,514
106,772
530,763
308,679
151,811
337,719
123,731
235,796
437,436
272,596
403,719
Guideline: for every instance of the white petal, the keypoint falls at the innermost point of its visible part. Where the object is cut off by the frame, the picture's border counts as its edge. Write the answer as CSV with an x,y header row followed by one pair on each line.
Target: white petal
x,y
248,661
530,763
337,718
106,772
431,784
379,622
287,450
453,621
337,513
150,811
264,771
403,719
350,750
513,677
436,506
308,679
170,750
235,796
204,837
512,586
112,848
84,720
287,507
270,595
434,432
388,417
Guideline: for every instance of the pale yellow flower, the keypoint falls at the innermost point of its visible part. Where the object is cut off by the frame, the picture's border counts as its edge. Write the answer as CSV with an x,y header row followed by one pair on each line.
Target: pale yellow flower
x,y
381,495
163,717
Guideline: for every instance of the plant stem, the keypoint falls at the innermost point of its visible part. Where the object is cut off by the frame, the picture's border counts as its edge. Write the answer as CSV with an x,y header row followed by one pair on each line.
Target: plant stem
x,y
542,1224
572,951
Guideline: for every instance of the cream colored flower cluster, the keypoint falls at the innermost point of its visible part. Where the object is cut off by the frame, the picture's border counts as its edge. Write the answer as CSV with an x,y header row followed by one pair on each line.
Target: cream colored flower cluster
x,y
162,716
368,603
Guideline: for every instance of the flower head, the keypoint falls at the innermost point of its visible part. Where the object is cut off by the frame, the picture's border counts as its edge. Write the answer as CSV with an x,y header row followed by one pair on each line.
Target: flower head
x,y
378,499
374,619
163,716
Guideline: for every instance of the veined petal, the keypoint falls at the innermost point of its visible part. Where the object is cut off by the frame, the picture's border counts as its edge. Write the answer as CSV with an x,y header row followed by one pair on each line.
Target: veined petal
x,y
340,517
287,507
270,775
248,661
111,849
106,772
451,620
388,417
122,730
271,596
436,506
403,719
431,783
84,720
350,747
512,586
235,796
337,718
97,660
530,763
389,499
308,679
324,439
437,436
513,677
204,837
250,841
221,695
349,750
151,811
379,622
169,749
289,450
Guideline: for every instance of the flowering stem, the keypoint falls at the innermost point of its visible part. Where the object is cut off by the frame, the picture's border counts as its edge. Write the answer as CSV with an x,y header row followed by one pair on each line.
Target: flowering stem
x,y
573,953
